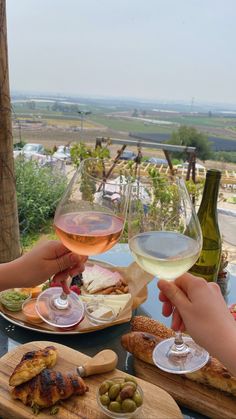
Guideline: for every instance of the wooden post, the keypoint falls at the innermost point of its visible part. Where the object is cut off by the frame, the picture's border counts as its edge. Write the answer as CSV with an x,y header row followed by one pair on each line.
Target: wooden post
x,y
167,156
194,168
119,152
137,160
9,226
189,166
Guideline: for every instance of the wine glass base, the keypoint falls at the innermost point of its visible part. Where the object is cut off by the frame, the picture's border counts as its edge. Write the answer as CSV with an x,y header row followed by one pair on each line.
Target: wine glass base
x,y
192,360
63,315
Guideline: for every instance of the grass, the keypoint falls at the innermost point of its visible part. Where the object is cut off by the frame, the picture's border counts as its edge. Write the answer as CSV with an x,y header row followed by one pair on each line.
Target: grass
x,y
29,240
70,123
119,124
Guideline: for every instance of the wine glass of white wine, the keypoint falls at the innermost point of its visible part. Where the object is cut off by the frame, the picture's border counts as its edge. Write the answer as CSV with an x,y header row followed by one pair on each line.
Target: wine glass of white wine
x,y
165,239
89,220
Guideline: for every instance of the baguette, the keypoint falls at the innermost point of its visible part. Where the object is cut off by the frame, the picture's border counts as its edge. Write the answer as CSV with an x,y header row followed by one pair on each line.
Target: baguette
x,y
142,343
145,324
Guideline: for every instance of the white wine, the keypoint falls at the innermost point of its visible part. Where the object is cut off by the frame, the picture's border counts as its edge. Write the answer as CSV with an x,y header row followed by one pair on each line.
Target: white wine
x,y
165,254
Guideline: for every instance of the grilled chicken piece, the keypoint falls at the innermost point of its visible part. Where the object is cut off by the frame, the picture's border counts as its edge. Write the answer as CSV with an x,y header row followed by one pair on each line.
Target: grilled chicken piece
x,y
32,363
49,387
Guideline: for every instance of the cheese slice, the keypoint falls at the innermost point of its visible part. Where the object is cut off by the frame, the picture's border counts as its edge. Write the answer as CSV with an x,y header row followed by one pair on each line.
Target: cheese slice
x,y
102,313
116,302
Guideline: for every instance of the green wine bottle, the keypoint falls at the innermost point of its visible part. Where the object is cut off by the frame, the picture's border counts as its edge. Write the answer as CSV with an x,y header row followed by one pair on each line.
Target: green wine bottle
x,y
207,265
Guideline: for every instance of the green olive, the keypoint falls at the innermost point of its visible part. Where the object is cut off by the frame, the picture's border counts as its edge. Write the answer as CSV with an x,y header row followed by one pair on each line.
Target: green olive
x,y
110,382
104,387
114,391
137,398
128,405
114,407
130,378
118,399
104,399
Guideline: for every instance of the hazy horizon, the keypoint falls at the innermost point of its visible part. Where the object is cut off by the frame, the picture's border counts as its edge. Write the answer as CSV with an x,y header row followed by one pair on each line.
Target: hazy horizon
x,y
152,50
66,95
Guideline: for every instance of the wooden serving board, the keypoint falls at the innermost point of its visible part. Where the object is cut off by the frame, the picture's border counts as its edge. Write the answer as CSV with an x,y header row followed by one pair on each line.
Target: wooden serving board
x,y
198,397
157,402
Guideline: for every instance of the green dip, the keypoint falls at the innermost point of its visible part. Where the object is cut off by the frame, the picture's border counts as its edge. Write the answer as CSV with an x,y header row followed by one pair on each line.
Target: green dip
x,y
13,300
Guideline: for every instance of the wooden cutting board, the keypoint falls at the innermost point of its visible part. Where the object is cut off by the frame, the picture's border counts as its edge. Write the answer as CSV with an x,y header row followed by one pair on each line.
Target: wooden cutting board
x,y
207,401
157,402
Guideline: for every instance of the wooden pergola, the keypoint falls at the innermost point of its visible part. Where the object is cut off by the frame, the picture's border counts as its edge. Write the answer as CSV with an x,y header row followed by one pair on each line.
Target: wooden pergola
x,y
166,148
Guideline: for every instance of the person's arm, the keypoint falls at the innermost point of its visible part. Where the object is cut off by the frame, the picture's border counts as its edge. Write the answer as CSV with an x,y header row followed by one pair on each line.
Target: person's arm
x,y
45,260
199,308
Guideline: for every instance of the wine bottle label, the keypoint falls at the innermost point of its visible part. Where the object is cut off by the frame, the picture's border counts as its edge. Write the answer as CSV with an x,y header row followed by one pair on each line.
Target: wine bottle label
x,y
204,270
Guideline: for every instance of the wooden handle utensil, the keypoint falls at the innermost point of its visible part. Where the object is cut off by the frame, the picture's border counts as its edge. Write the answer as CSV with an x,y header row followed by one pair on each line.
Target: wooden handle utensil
x,y
103,361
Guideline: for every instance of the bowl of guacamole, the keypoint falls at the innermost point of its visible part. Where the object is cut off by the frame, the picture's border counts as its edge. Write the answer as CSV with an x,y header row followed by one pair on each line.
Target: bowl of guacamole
x,y
13,300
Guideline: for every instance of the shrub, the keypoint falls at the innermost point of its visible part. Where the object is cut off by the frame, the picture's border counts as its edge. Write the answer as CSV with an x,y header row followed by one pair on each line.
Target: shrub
x,y
38,191
225,156
81,151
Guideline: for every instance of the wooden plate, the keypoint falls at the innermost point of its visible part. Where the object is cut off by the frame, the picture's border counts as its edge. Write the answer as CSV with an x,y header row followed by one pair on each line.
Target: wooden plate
x,y
206,400
157,402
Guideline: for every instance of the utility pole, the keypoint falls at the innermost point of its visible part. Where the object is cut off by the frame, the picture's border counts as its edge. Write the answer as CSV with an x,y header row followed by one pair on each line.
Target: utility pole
x,y
9,225
82,115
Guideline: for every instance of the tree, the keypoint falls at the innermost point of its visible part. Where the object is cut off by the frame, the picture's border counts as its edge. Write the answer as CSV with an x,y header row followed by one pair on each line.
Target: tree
x,y
135,113
189,136
9,226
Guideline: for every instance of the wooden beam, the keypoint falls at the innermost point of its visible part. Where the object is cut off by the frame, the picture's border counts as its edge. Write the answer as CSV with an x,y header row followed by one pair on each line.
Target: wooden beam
x,y
150,144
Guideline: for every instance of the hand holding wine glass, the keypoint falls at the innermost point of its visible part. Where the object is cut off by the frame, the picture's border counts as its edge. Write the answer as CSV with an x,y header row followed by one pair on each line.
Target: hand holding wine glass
x,y
200,307
89,220
165,239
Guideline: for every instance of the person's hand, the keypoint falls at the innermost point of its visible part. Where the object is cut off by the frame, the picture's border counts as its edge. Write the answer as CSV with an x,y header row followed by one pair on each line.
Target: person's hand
x,y
51,258
199,308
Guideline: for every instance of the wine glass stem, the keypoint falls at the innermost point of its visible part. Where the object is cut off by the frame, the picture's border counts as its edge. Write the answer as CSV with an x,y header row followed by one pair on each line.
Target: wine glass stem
x,y
179,348
62,301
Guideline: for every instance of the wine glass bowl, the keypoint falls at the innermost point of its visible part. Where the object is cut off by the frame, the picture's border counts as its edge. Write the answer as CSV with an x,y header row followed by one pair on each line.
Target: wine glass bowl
x,y
88,220
164,233
165,239
90,217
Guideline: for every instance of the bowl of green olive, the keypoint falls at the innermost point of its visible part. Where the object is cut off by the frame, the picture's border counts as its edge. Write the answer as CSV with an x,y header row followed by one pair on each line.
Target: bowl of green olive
x,y
120,397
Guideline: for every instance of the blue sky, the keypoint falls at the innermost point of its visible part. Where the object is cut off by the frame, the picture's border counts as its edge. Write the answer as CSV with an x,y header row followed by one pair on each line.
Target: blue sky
x,y
151,49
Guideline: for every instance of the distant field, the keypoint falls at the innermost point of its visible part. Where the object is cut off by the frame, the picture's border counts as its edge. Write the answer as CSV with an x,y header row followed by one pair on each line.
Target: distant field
x,y
61,123
126,125
218,144
70,123
111,117
200,120
217,127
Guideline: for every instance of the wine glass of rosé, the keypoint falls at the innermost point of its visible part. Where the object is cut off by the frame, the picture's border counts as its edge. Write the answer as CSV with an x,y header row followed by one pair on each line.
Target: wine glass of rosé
x,y
88,220
165,239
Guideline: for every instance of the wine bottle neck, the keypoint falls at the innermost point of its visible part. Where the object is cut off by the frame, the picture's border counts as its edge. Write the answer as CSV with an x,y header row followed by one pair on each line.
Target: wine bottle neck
x,y
209,197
